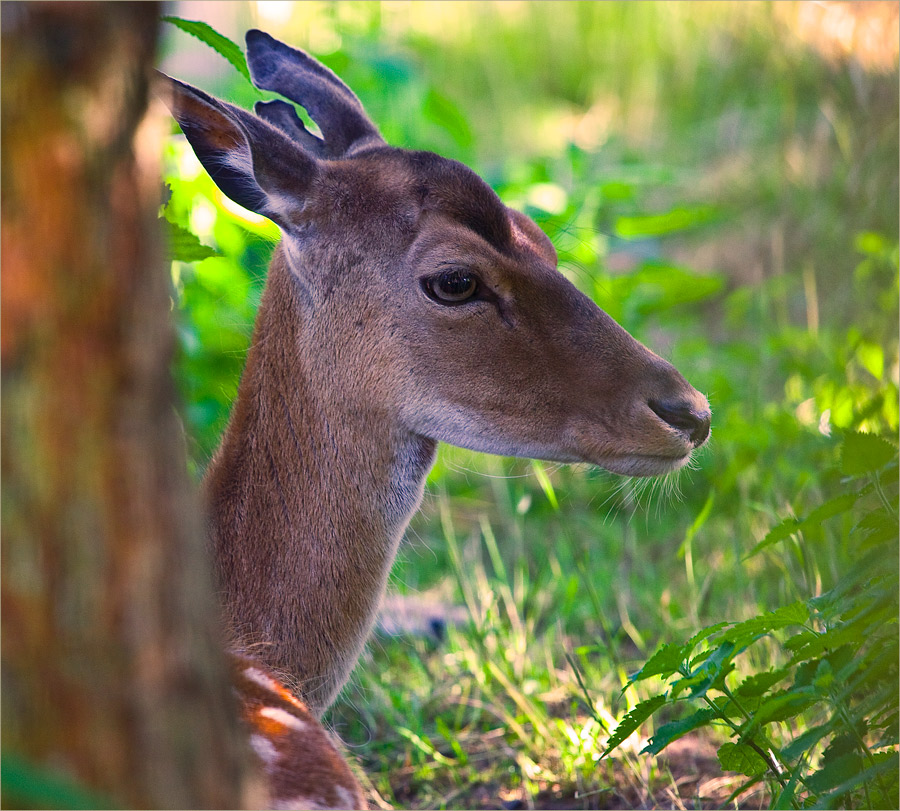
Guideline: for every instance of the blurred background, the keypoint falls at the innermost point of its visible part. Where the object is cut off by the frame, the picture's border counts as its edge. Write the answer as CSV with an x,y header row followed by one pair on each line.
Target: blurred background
x,y
722,178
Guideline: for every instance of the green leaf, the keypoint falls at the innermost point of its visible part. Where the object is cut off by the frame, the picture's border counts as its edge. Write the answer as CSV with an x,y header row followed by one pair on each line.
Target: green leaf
x,y
785,798
835,772
675,729
871,243
679,218
423,745
218,42
775,535
705,633
713,669
830,508
876,527
806,741
698,682
544,481
739,757
789,526
660,287
760,683
797,641
779,707
28,786
863,453
887,765
441,110
824,677
184,246
633,720
664,662
794,614
851,633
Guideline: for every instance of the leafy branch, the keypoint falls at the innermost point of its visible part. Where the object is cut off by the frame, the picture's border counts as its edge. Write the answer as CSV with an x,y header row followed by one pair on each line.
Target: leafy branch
x,y
842,659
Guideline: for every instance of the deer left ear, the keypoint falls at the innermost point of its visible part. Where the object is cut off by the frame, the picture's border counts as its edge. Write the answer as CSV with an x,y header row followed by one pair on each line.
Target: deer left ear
x,y
251,161
346,129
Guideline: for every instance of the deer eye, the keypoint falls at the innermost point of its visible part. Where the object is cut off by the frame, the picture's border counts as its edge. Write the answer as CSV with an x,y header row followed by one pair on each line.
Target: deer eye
x,y
451,287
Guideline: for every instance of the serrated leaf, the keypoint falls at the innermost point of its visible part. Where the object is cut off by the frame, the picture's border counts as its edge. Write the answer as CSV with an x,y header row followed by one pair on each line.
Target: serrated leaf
x,y
863,453
876,527
794,614
760,683
837,771
779,532
843,744
824,677
218,42
713,670
675,729
633,720
851,633
728,707
705,633
779,707
803,743
797,641
835,506
888,765
664,662
185,246
871,563
739,757
699,681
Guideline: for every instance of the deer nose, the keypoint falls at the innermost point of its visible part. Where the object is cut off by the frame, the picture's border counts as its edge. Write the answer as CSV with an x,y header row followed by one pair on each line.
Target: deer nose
x,y
682,416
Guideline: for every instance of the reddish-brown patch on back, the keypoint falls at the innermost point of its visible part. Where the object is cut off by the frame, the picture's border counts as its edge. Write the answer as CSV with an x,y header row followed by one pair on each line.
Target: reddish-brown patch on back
x,y
303,767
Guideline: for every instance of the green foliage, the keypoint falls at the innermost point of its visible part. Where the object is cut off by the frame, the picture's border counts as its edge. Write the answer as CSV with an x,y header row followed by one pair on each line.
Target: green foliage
x,y
218,42
25,785
842,662
185,246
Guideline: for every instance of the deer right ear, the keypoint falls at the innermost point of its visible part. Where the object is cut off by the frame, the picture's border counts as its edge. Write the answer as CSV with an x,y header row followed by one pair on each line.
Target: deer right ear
x,y
251,161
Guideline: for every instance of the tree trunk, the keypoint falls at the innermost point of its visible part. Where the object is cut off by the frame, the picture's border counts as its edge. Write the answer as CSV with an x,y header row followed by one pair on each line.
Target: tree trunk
x,y
113,676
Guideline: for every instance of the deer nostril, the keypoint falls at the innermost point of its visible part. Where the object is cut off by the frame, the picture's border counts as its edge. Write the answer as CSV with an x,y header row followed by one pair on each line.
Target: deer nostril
x,y
680,415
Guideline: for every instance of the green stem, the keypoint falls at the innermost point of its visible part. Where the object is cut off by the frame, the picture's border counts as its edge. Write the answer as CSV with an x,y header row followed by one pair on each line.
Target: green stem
x,y
848,723
772,766
876,481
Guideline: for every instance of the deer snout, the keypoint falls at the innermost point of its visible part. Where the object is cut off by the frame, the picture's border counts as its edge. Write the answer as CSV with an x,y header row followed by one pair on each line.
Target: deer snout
x,y
691,418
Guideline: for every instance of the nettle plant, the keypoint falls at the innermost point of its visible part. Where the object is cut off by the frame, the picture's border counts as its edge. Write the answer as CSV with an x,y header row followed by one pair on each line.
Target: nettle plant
x,y
839,685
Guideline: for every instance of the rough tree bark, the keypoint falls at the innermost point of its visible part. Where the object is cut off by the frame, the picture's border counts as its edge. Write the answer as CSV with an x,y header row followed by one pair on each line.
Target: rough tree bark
x,y
111,666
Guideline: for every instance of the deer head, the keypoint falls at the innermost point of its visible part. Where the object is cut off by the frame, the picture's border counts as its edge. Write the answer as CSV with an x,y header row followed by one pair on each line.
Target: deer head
x,y
448,306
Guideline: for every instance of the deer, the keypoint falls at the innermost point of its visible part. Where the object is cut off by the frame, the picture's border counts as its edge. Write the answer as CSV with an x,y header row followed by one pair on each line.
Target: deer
x,y
405,305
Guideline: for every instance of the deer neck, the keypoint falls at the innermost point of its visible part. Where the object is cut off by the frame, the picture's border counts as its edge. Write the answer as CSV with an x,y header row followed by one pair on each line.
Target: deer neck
x,y
307,501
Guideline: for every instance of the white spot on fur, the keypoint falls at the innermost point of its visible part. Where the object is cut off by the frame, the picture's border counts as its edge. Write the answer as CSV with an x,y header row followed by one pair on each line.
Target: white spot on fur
x,y
299,803
345,797
282,717
258,677
263,747
303,802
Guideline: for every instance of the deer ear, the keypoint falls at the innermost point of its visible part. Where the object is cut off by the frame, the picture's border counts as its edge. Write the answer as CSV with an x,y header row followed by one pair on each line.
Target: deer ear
x,y
345,127
252,162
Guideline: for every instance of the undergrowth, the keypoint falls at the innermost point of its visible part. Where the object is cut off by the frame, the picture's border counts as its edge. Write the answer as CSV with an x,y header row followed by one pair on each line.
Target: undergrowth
x,y
841,674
